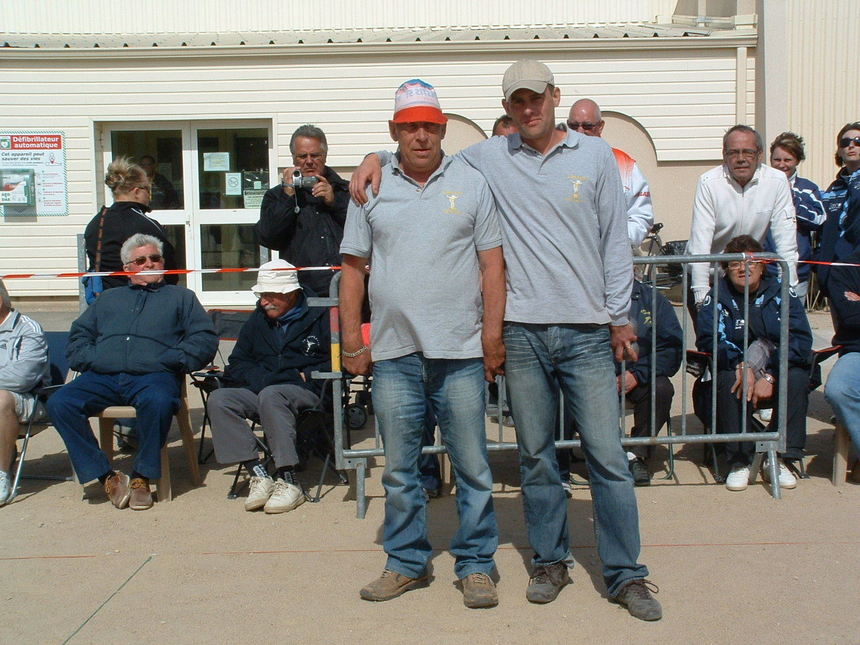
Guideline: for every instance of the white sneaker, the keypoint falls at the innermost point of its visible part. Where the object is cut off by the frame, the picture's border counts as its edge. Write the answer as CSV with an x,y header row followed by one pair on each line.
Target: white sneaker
x,y
284,498
786,478
5,487
738,478
261,491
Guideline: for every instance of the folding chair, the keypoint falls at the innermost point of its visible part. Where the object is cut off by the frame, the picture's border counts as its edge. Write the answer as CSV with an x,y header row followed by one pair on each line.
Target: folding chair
x,y
227,323
59,370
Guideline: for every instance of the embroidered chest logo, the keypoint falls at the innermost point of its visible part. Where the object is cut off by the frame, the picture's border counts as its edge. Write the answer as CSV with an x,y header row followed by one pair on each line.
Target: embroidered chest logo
x,y
577,184
452,202
646,316
310,346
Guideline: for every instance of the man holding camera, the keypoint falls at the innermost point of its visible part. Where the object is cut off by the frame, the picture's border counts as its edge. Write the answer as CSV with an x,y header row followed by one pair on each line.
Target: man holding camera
x,y
303,217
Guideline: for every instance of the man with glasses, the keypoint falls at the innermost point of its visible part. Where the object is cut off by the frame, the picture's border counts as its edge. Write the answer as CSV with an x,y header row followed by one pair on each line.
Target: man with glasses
x,y
585,118
132,346
742,196
303,216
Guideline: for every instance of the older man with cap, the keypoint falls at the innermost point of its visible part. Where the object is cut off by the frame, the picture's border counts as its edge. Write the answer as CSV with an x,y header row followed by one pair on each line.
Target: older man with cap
x,y
569,270
268,379
437,299
585,118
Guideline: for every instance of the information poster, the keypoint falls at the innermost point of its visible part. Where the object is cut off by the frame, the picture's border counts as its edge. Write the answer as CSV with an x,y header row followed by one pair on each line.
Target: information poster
x,y
33,174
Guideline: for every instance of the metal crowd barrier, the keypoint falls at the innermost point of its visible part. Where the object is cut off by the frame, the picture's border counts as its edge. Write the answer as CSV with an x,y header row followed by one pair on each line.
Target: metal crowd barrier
x,y
767,442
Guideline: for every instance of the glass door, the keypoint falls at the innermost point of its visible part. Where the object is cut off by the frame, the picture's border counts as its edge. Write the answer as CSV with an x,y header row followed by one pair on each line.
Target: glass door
x,y
208,180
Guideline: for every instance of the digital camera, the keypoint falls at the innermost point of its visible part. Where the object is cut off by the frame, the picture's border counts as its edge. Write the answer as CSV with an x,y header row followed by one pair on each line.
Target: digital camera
x,y
303,182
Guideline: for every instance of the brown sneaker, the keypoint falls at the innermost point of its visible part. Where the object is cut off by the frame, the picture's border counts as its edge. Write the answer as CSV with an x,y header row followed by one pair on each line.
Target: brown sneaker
x,y
479,591
116,487
141,497
390,585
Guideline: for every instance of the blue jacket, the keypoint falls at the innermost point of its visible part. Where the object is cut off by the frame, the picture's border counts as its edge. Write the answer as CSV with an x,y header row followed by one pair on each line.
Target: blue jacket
x,y
846,312
142,330
670,338
840,236
764,321
810,216
265,354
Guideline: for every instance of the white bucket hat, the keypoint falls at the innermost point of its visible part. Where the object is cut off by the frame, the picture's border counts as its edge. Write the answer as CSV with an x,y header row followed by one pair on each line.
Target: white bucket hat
x,y
276,276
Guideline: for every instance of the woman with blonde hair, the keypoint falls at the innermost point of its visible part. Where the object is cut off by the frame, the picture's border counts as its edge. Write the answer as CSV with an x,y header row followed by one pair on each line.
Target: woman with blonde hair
x,y
106,232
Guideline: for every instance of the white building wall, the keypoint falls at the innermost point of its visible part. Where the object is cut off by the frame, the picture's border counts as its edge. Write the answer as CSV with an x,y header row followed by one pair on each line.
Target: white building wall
x,y
189,16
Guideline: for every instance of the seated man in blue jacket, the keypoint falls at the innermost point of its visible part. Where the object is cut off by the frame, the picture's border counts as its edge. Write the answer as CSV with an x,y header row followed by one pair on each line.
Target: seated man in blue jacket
x,y
754,370
269,379
132,346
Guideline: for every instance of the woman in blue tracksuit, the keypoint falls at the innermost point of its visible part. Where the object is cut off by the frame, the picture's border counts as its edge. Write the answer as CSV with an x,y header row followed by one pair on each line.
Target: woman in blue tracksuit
x,y
840,236
786,152
759,364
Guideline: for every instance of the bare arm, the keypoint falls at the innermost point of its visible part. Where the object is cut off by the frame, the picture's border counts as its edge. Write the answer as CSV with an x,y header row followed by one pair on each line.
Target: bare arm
x,y
370,171
351,299
493,293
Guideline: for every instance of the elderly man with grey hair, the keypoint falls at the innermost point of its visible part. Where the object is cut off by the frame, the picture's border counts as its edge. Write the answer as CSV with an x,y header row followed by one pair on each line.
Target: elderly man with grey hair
x,y
132,346
23,367
303,216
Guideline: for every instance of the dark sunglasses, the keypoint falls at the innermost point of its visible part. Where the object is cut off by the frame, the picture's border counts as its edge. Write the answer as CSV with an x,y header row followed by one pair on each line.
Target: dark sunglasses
x,y
585,125
142,259
844,142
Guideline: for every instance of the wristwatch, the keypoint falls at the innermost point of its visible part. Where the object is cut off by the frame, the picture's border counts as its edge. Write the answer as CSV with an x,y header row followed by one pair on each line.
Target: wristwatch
x,y
767,377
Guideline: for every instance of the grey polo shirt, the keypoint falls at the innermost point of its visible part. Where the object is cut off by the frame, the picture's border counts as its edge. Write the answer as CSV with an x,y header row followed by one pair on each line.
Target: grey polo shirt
x,y
564,226
423,245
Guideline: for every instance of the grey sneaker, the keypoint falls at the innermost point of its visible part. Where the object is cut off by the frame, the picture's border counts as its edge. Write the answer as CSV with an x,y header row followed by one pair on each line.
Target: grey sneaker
x,y
636,596
641,476
390,585
546,582
260,490
479,591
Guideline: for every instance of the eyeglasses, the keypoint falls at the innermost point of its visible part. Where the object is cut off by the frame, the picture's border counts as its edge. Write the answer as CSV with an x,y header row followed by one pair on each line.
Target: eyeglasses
x,y
585,125
737,264
844,142
312,155
154,258
747,153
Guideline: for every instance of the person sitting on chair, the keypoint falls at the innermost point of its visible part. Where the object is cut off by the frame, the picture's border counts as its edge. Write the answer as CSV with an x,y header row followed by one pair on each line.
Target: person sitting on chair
x,y
759,365
132,346
23,368
268,379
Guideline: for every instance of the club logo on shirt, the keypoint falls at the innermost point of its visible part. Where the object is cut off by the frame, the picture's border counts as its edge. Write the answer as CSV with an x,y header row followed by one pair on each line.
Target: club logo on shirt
x,y
452,202
577,184
310,346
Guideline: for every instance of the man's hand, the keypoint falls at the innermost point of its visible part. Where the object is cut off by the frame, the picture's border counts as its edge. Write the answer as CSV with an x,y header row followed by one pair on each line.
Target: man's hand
x,y
757,390
361,364
622,338
853,297
494,358
761,391
323,190
626,382
287,181
370,171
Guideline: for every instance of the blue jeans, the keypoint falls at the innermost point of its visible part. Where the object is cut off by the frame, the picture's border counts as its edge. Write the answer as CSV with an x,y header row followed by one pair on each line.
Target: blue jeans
x,y
843,393
155,397
403,387
542,361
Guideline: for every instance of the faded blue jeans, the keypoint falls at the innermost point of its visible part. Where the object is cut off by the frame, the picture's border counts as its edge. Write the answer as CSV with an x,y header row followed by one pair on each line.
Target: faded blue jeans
x,y
843,394
542,361
403,387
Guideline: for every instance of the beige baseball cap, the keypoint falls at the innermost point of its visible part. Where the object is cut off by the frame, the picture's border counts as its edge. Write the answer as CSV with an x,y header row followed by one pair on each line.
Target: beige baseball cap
x,y
529,74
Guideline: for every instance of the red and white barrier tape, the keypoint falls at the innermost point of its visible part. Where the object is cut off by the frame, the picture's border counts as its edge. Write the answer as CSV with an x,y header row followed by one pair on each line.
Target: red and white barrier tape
x,y
18,276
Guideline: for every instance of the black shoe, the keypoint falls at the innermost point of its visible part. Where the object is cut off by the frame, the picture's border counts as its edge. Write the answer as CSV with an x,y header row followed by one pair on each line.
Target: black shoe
x,y
546,582
636,597
641,476
432,493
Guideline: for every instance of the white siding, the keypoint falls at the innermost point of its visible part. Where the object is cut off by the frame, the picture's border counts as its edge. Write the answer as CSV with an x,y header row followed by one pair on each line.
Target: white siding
x,y
189,16
684,98
823,91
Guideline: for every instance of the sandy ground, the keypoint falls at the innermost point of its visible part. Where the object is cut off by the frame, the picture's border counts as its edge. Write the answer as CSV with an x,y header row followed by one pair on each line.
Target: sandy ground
x,y
731,567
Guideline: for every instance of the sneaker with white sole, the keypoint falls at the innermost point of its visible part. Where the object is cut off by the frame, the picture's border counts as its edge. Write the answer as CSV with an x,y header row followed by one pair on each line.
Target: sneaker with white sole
x,y
786,478
738,478
5,487
261,491
285,497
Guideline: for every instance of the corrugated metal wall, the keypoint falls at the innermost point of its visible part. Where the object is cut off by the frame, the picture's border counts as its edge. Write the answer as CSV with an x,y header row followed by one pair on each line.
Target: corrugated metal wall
x,y
824,90
169,16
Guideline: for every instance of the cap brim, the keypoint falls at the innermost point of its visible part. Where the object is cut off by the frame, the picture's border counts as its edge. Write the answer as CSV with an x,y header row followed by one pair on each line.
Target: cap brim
x,y
538,87
420,114
259,289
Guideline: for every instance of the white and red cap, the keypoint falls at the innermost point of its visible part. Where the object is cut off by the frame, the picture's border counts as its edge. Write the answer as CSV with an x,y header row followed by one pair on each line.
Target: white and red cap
x,y
415,101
